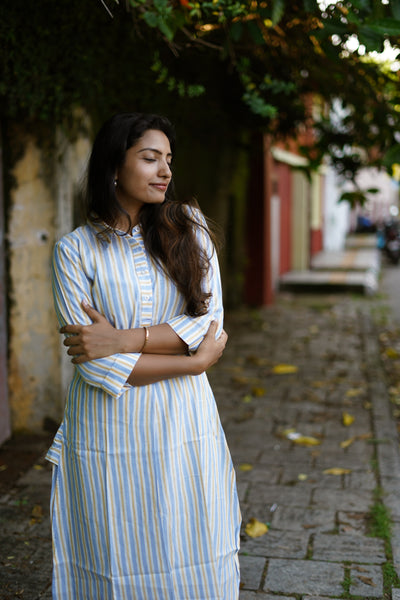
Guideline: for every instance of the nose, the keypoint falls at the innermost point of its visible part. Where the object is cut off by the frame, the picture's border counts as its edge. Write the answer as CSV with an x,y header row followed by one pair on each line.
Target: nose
x,y
165,169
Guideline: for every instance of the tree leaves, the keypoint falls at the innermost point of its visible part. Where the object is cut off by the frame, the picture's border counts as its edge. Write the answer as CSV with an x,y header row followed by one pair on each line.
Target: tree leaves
x,y
395,8
386,27
273,56
357,197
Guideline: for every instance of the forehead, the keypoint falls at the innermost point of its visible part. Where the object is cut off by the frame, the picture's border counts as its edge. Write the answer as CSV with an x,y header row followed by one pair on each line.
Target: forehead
x,y
155,139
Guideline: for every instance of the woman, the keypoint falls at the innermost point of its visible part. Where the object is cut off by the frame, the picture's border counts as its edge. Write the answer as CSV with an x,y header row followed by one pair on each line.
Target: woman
x,y
144,504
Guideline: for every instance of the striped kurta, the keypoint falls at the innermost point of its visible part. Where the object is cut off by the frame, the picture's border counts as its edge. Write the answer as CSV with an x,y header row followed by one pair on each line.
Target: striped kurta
x,y
144,503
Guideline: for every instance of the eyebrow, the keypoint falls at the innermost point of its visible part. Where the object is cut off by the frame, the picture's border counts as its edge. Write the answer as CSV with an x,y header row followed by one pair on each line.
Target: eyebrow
x,y
154,150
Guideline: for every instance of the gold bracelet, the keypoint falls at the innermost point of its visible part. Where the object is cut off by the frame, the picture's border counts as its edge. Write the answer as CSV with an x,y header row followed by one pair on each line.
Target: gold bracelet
x,y
146,337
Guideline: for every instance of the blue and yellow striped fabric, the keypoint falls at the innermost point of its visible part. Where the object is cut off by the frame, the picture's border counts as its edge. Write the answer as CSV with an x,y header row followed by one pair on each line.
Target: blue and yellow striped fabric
x,y
144,503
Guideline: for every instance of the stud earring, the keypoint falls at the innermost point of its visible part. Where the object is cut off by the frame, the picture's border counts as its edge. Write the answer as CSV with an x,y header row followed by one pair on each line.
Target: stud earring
x,y
115,182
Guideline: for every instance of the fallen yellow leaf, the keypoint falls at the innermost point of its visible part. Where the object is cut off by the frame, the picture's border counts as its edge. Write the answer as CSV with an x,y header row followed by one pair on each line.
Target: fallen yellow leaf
x,y
347,443
258,391
255,528
391,353
286,432
36,514
364,436
347,419
257,360
284,369
353,392
247,398
336,471
318,384
306,440
361,436
241,380
298,438
366,580
37,511
246,467
302,477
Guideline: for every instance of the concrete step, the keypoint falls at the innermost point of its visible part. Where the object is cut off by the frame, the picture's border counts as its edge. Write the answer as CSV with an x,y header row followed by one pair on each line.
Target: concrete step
x,y
347,260
335,280
361,240
356,269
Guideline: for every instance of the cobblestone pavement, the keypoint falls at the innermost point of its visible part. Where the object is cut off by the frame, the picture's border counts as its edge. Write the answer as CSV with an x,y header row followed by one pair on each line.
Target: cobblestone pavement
x,y
304,398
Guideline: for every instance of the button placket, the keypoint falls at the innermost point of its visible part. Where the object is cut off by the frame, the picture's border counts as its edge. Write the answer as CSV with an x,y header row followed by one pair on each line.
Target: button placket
x,y
144,279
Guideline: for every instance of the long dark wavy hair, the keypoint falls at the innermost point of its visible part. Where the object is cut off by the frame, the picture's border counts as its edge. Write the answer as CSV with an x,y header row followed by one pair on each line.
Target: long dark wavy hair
x,y
169,229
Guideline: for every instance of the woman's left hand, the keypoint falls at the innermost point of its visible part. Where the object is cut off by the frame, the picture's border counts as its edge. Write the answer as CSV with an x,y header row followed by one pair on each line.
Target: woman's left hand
x,y
88,342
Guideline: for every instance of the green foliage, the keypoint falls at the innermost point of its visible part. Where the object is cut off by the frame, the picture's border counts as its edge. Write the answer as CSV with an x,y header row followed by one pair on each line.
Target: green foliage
x,y
282,51
358,197
174,84
380,523
256,63
390,578
347,583
392,157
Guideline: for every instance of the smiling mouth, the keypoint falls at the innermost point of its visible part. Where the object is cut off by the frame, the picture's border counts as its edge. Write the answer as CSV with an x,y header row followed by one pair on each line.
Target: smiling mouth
x,y
160,186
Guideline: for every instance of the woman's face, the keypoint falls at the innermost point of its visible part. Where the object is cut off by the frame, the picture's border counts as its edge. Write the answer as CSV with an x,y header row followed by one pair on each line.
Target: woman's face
x,y
145,174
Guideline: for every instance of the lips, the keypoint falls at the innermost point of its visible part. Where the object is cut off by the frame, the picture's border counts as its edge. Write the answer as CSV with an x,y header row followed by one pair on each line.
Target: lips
x,y
160,186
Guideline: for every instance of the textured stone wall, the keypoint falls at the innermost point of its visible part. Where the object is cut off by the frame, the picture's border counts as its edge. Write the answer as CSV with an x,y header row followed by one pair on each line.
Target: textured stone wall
x,y
40,211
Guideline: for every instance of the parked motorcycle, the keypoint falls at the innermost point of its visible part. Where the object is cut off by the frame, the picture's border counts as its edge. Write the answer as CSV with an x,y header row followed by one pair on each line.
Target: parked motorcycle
x,y
391,241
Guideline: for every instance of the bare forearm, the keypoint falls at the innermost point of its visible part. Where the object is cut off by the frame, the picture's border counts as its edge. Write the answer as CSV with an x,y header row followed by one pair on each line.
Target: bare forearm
x,y
151,368
162,339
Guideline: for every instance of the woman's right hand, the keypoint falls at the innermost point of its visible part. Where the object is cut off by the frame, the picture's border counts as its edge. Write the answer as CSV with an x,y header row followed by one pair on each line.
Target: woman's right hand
x,y
210,350
88,342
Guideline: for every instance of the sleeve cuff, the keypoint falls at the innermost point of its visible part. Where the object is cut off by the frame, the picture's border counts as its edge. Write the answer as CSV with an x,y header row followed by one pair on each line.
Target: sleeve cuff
x,y
118,367
190,330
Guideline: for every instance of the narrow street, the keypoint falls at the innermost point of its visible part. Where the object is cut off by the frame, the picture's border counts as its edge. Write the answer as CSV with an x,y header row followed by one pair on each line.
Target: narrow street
x,y
308,396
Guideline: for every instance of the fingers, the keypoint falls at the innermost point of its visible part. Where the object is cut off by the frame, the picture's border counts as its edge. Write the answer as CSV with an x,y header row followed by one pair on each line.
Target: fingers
x,y
71,329
71,340
91,312
74,350
211,333
78,360
95,316
224,335
212,330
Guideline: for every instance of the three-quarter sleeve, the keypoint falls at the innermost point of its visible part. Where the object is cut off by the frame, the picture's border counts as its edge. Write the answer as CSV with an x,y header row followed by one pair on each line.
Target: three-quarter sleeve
x,y
71,285
193,329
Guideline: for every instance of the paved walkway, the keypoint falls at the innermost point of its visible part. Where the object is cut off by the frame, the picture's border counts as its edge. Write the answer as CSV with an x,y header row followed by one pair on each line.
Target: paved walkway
x,y
315,498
